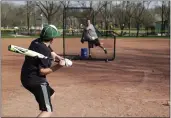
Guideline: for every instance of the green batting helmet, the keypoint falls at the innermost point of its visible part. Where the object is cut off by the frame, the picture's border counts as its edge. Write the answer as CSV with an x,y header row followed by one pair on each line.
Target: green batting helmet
x,y
48,32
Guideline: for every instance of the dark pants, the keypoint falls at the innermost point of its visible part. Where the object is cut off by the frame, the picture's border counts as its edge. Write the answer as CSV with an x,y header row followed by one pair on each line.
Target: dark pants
x,y
42,94
95,42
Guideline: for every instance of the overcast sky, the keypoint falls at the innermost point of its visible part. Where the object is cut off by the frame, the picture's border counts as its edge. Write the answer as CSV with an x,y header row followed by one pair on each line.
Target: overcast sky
x,y
16,2
153,3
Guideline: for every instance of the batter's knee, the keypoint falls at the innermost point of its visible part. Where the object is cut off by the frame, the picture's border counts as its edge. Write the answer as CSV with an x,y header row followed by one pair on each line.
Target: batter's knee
x,y
53,96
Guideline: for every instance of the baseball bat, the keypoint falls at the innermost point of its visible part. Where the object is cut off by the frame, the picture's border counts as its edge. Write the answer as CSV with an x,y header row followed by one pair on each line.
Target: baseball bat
x,y
26,52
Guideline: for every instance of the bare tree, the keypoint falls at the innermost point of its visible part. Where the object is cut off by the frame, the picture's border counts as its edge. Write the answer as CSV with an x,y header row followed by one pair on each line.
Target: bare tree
x,y
165,16
102,12
49,9
91,4
6,9
121,16
29,11
82,3
148,19
129,13
98,7
65,3
138,13
13,15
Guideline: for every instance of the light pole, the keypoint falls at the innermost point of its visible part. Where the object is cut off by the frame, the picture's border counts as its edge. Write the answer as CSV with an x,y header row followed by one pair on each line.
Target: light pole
x,y
28,18
42,20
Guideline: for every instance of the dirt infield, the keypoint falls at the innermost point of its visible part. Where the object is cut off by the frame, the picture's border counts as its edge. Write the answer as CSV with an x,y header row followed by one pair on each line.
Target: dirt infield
x,y
135,84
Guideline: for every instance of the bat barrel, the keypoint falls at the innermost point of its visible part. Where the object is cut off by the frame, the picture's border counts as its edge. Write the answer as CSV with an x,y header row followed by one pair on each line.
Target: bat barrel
x,y
12,49
9,48
26,52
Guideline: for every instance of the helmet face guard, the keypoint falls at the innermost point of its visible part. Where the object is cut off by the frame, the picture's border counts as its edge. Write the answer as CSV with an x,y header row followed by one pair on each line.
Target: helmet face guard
x,y
48,33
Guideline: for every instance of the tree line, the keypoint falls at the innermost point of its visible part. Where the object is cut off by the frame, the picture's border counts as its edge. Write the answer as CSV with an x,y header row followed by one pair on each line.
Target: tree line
x,y
107,14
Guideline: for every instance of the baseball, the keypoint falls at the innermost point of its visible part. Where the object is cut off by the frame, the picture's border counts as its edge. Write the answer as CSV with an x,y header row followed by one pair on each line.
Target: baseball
x,y
65,62
93,38
68,62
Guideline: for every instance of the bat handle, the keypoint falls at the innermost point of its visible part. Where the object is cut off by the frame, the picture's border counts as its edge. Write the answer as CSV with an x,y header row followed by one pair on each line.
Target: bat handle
x,y
53,60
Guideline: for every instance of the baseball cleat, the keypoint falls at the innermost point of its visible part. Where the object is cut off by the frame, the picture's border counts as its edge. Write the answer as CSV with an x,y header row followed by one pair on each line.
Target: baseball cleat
x,y
106,60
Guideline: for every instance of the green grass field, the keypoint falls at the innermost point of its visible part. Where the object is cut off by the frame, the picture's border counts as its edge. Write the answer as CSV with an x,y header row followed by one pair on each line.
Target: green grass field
x,y
126,37
133,35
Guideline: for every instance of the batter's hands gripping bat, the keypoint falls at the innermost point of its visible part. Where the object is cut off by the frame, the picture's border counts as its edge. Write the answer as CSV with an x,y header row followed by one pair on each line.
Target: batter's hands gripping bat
x,y
26,52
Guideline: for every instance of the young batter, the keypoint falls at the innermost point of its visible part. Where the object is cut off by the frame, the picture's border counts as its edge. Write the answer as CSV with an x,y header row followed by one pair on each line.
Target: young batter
x,y
90,35
34,70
